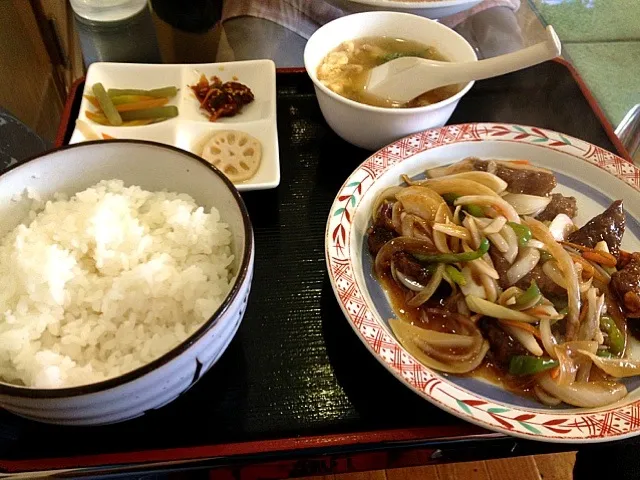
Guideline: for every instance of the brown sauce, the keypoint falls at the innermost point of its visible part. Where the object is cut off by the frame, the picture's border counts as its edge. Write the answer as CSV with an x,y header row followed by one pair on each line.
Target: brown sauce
x,y
487,371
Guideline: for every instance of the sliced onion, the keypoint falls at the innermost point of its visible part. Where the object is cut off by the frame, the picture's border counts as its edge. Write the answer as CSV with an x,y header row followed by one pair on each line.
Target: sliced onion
x,y
482,222
490,287
533,243
386,194
544,311
548,339
404,336
439,339
471,224
527,339
489,180
420,201
561,226
462,307
569,364
585,394
585,286
591,322
399,244
527,261
602,271
429,289
457,185
527,204
529,305
508,297
484,307
481,267
566,267
452,230
616,367
409,283
512,239
396,217
464,165
406,225
495,226
552,271
545,398
439,238
568,367
471,287
493,201
456,215
499,242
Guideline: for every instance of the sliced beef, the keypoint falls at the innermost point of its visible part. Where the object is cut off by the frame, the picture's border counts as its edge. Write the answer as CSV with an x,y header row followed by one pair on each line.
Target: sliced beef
x,y
608,226
501,345
382,230
411,267
377,237
547,286
626,284
520,178
559,204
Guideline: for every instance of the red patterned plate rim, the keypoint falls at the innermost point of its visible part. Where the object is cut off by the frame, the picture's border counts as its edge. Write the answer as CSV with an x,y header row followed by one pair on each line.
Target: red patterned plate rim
x,y
574,425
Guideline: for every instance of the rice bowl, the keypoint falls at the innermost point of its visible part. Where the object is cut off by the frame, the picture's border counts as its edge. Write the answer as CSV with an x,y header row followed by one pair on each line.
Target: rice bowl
x,y
145,380
106,281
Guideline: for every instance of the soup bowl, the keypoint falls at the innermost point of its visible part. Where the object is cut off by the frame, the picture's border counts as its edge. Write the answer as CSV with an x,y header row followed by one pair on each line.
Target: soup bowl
x,y
372,127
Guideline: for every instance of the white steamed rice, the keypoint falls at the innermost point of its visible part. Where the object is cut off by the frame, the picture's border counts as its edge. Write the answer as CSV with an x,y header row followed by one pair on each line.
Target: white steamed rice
x,y
106,281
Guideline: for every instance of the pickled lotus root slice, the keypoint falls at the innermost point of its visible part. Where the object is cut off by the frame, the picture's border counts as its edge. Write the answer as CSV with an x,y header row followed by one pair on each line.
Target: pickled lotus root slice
x,y
237,154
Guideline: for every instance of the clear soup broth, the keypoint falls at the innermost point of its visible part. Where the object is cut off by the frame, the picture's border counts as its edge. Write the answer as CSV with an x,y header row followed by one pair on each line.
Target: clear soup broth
x,y
345,69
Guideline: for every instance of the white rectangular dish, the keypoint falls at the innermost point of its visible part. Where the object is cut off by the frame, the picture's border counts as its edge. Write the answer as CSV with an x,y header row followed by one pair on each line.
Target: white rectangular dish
x,y
190,129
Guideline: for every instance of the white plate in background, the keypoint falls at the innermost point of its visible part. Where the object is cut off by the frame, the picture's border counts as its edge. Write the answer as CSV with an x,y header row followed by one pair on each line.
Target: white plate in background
x,y
425,8
191,127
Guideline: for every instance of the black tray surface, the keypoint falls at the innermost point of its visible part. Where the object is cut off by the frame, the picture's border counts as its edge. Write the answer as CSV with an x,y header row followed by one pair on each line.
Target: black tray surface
x,y
295,367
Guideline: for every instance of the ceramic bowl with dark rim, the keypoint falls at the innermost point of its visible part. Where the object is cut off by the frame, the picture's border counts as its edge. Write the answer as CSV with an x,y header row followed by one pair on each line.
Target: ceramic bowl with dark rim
x,y
153,167
593,175
372,127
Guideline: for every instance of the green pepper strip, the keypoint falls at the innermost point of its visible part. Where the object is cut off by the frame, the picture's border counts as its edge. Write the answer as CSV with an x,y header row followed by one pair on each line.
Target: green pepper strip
x,y
455,275
474,210
454,257
616,338
522,232
528,365
604,353
527,296
545,256
450,198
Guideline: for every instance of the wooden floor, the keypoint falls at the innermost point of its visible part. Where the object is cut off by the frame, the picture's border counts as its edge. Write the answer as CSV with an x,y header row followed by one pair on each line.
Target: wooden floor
x,y
539,467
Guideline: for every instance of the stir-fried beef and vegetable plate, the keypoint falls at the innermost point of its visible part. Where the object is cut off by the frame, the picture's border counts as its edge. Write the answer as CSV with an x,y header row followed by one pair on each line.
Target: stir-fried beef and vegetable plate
x,y
488,273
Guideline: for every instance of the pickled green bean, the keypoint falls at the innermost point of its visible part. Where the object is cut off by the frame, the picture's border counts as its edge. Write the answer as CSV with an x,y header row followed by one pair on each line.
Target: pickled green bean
x,y
156,92
156,112
107,106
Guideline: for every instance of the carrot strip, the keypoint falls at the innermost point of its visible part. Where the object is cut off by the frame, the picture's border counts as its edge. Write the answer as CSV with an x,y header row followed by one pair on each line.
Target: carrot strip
x,y
106,136
602,258
93,101
97,117
575,246
523,326
156,102
138,123
520,162
586,267
555,373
